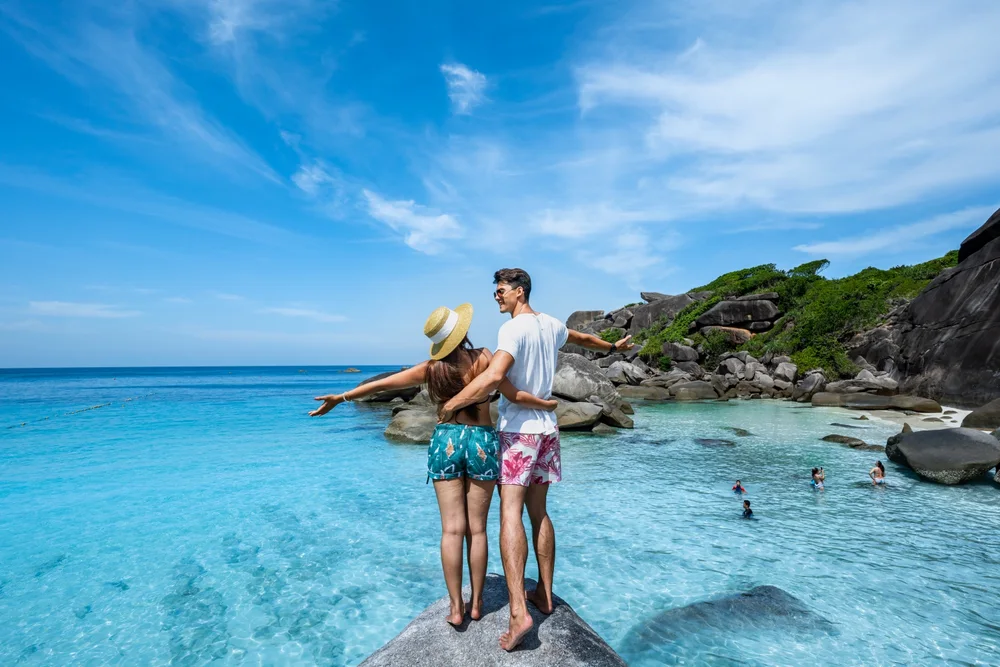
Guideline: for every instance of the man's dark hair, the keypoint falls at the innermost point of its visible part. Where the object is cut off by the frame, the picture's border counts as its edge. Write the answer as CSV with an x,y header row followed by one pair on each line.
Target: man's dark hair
x,y
515,278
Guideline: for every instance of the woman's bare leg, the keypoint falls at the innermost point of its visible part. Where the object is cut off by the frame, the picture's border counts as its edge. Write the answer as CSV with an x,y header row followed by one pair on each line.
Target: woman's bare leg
x,y
478,495
451,502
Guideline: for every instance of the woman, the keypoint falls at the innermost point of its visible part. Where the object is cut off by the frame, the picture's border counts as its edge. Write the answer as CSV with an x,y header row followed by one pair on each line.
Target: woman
x,y
818,477
463,457
877,474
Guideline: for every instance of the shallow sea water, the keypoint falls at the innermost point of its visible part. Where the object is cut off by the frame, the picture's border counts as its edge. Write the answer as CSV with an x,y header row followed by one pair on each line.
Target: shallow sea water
x,y
209,520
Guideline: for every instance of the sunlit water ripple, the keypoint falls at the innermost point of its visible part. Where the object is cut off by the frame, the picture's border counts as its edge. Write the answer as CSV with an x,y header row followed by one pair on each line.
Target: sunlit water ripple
x,y
209,520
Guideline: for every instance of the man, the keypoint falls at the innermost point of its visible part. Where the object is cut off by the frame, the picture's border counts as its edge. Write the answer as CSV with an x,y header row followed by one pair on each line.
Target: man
x,y
527,351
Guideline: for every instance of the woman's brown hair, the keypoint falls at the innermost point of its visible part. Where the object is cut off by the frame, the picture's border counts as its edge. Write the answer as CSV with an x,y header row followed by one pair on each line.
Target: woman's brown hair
x,y
445,376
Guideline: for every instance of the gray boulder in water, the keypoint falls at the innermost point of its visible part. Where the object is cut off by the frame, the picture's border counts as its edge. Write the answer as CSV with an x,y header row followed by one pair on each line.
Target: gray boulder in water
x,y
986,416
946,456
414,426
562,638
760,608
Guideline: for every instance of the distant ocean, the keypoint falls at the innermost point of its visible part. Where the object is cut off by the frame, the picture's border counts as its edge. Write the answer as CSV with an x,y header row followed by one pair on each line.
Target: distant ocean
x,y
157,516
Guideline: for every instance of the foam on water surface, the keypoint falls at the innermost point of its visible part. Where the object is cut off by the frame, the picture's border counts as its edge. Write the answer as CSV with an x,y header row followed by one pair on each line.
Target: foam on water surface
x,y
209,520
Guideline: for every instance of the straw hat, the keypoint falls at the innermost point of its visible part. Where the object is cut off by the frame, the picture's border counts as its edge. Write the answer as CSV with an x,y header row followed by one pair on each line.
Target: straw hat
x,y
446,328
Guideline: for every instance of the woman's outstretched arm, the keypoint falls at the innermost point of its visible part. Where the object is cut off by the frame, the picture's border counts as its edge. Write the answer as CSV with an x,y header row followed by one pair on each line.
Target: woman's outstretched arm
x,y
411,377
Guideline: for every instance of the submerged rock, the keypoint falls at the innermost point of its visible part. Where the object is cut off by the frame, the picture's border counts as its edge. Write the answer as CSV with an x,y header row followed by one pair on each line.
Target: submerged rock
x,y
562,638
946,456
987,416
760,608
741,432
844,440
715,442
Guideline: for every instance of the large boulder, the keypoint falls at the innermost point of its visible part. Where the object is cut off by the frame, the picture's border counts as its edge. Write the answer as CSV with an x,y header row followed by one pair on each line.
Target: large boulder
x,y
577,379
946,456
576,416
662,639
666,309
678,352
666,381
581,318
562,638
987,416
644,393
731,366
388,395
947,336
808,386
738,313
622,372
415,426
977,240
786,371
695,390
874,402
611,414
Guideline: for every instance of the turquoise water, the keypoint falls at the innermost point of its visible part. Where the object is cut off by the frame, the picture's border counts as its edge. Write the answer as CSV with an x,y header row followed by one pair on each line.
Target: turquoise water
x,y
208,519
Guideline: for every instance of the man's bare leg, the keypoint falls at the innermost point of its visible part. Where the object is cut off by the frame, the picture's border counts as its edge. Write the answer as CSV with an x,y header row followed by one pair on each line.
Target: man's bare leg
x,y
544,538
451,503
514,551
478,495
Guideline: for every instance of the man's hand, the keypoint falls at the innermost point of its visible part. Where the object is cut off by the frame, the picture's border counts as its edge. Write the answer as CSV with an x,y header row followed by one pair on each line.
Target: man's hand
x,y
329,403
445,414
625,344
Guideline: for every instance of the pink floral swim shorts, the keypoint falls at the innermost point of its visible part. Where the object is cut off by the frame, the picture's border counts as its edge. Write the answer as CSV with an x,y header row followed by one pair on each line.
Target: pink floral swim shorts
x,y
529,458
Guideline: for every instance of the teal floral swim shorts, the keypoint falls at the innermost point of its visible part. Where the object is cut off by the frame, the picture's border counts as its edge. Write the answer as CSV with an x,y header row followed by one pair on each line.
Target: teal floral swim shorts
x,y
458,450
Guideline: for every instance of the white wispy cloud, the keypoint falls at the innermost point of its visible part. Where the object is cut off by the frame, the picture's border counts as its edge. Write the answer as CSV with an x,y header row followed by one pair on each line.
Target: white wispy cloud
x,y
466,87
423,230
83,310
813,108
107,56
306,313
178,300
899,237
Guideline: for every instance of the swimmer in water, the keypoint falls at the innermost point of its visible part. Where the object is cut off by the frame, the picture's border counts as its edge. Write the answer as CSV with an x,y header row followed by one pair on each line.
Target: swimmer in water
x,y
877,474
738,487
818,477
747,512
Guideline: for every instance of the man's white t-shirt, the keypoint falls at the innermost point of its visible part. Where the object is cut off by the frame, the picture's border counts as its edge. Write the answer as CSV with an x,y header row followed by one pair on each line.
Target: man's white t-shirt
x,y
533,339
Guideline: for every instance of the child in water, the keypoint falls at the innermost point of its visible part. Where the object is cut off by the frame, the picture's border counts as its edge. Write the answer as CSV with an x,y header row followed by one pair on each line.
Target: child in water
x,y
738,487
818,477
747,512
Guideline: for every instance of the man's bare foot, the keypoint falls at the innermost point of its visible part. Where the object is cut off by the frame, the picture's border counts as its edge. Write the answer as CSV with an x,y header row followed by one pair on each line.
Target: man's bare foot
x,y
457,616
538,598
518,629
475,609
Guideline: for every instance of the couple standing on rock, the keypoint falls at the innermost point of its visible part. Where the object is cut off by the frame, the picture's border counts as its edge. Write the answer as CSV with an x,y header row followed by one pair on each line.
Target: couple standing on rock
x,y
467,456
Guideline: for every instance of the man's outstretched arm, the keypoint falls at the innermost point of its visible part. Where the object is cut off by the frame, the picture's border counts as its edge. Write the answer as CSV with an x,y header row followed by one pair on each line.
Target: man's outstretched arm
x,y
594,343
480,388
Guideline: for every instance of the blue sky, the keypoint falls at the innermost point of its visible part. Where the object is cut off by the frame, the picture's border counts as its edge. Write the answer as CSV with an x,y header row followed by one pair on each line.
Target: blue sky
x,y
302,182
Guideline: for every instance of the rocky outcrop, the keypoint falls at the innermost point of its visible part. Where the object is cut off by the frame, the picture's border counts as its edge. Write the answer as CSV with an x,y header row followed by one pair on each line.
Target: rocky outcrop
x,y
581,318
577,379
738,313
734,336
696,390
948,337
644,393
874,402
985,417
622,372
666,309
844,440
813,382
562,638
946,456
761,609
575,416
414,426
678,352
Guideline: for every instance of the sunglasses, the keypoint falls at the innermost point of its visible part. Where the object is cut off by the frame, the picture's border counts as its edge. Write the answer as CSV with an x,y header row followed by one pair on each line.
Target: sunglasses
x,y
501,293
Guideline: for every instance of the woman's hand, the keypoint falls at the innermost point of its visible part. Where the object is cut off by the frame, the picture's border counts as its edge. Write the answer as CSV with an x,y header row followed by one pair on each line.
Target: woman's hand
x,y
330,401
551,404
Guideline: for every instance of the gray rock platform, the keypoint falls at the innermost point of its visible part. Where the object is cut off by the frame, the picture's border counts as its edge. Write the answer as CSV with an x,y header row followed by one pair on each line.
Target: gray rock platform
x,y
562,638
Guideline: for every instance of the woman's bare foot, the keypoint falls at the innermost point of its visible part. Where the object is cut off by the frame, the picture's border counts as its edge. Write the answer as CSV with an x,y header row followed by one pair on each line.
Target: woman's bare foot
x,y
457,614
476,609
541,601
518,629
